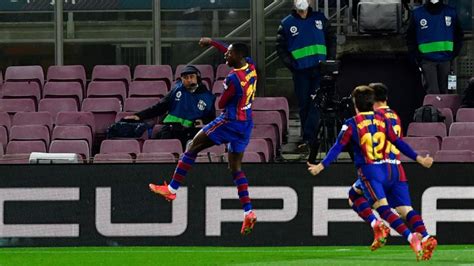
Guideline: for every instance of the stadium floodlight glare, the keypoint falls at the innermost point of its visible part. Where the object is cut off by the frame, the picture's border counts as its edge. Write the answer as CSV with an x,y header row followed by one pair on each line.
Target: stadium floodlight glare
x,y
53,158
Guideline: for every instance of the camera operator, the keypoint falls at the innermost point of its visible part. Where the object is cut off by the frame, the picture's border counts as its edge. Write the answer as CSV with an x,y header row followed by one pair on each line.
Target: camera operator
x,y
188,107
303,40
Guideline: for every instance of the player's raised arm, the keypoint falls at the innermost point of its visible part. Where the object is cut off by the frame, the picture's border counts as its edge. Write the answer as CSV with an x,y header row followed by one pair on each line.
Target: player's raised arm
x,y
205,41
405,148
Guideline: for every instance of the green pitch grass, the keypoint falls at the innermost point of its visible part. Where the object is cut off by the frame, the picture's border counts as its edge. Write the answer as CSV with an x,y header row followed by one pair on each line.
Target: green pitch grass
x,y
173,256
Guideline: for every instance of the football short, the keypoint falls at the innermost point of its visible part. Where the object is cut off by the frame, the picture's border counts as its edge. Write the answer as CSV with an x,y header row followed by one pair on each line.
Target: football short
x,y
380,181
235,133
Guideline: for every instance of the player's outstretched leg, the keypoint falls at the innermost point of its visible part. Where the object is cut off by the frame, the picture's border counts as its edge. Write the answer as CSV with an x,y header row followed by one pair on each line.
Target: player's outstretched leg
x,y
396,223
362,207
169,191
429,243
240,181
200,142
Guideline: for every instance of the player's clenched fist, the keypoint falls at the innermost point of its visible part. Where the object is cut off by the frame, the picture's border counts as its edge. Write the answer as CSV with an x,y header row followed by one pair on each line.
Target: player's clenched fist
x,y
315,169
426,161
205,41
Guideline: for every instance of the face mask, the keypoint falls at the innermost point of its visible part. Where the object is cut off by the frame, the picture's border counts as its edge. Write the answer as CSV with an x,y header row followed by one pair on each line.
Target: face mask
x,y
301,4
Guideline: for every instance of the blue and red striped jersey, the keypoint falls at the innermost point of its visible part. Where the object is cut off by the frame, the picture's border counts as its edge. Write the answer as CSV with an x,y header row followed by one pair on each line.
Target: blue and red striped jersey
x,y
392,152
370,134
239,89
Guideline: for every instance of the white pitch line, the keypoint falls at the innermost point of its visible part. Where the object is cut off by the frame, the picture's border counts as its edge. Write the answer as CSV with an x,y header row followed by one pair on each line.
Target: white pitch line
x,y
197,251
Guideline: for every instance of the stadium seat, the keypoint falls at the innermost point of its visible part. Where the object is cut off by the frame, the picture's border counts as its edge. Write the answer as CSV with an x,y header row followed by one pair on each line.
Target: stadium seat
x,y
113,158
12,106
107,89
252,157
279,104
157,89
104,110
266,132
130,146
212,154
218,88
5,120
260,147
156,157
25,147
420,129
209,157
448,116
30,132
76,119
112,73
163,145
207,74
461,129
21,158
154,72
457,156
139,104
3,138
272,118
458,143
54,106
222,71
25,73
465,115
452,101
80,147
73,132
71,90
72,73
20,90
430,144
33,118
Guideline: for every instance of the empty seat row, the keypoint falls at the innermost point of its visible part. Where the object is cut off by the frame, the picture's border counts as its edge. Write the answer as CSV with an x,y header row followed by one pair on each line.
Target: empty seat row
x,y
439,129
121,151
76,73
432,146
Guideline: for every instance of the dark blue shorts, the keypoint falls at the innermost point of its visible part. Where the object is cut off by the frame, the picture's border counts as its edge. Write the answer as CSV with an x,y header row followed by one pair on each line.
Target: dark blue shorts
x,y
235,133
378,182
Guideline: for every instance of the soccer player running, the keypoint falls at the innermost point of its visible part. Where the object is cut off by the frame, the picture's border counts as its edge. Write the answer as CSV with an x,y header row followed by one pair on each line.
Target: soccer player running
x,y
398,196
232,127
369,131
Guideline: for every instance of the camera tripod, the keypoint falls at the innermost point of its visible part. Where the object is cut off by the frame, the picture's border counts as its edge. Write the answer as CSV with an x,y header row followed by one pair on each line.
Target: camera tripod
x,y
326,133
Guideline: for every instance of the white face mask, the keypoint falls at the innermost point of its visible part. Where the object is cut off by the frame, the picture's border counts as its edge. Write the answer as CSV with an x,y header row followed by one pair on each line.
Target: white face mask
x,y
434,1
301,4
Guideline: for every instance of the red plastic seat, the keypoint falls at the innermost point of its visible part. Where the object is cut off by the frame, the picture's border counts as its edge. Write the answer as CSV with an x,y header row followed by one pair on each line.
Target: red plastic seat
x,y
80,147
33,118
104,110
107,89
71,73
72,90
139,104
112,73
156,89
154,72
21,90
76,119
25,73
57,105
452,101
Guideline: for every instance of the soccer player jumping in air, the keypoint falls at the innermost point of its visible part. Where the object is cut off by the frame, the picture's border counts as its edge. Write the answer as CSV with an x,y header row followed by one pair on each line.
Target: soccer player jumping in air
x,y
232,127
368,132
398,196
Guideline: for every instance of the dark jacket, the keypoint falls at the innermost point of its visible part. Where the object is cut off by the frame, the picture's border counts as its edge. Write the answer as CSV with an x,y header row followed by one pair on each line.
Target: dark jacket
x,y
282,42
411,37
169,102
